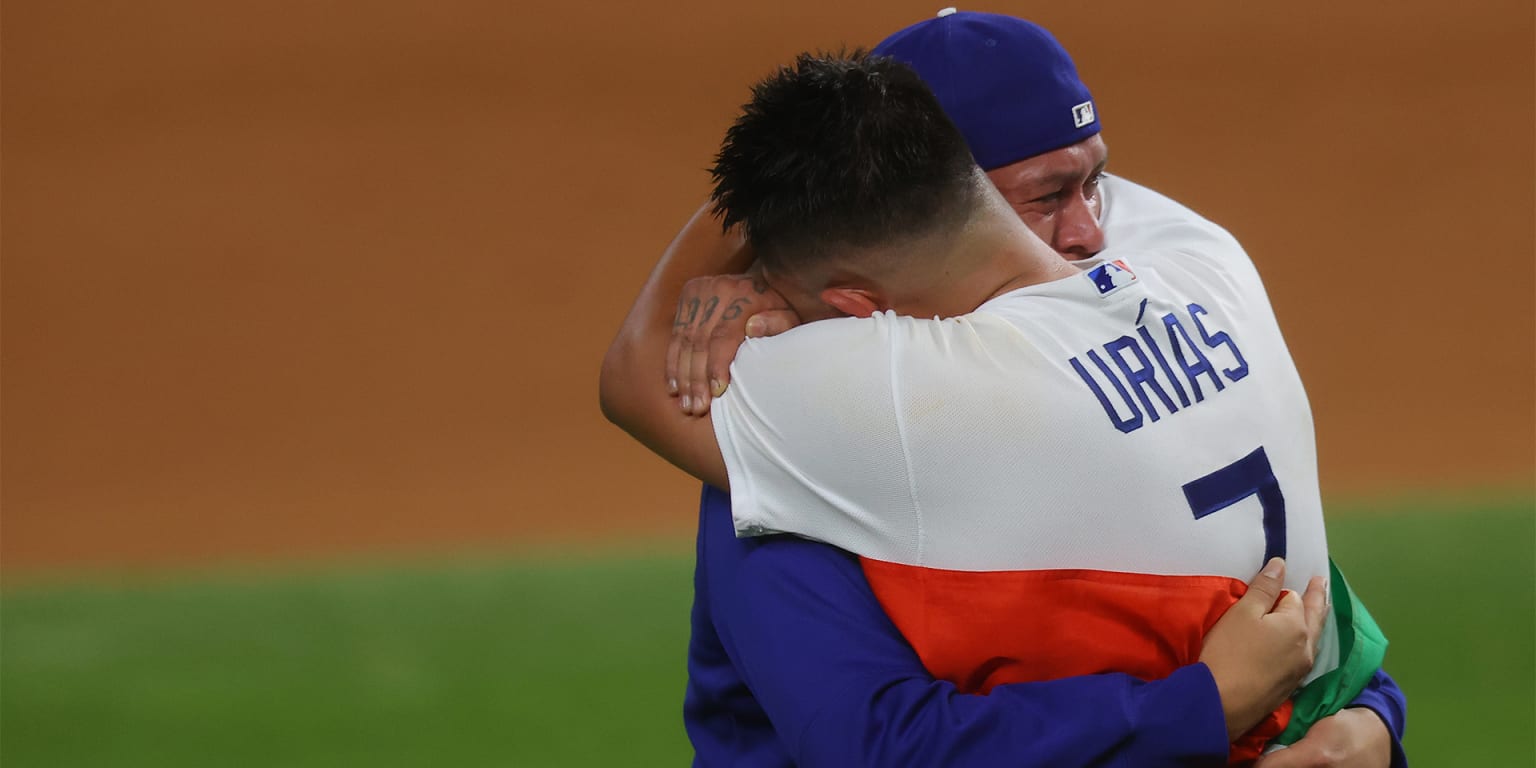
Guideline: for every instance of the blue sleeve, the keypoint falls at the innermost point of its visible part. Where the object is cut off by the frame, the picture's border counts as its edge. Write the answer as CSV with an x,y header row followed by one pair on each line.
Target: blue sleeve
x,y
1383,697
842,687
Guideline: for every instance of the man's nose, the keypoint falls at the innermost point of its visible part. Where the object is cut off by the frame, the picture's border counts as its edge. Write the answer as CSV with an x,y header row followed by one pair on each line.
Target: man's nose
x,y
1078,234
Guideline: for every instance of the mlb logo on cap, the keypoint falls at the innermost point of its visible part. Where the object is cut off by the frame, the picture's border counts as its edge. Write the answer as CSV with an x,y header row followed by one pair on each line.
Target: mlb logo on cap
x,y
1111,276
1082,114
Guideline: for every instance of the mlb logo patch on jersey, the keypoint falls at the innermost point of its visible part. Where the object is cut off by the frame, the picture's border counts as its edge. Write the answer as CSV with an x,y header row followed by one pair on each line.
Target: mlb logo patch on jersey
x,y
1111,276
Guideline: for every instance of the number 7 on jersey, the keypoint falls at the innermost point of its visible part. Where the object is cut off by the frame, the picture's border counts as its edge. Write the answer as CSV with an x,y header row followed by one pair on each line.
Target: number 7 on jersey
x,y
1245,477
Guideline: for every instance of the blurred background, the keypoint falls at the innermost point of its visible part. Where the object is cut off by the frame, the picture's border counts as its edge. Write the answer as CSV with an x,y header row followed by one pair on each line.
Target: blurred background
x,y
304,302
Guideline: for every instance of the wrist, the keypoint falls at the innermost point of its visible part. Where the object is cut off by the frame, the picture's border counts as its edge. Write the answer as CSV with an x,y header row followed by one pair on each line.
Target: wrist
x,y
1235,707
1371,726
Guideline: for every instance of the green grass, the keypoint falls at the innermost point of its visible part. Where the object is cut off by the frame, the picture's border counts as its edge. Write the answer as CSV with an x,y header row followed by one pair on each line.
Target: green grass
x,y
1455,591
528,665
582,662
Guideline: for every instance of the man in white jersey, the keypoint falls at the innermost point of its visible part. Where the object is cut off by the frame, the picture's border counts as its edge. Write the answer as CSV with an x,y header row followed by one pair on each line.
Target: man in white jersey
x,y
883,451
1137,380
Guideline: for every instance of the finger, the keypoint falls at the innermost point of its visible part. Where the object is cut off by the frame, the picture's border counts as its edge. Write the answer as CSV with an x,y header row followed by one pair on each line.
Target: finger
x,y
674,351
771,322
1265,590
1316,607
722,352
698,376
684,360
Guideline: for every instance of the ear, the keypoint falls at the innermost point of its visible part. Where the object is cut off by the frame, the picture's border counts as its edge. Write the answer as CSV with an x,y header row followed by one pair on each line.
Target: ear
x,y
857,302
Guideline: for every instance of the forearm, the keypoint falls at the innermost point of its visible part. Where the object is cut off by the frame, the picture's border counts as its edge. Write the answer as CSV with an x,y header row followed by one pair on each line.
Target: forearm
x,y
1090,720
632,387
1387,701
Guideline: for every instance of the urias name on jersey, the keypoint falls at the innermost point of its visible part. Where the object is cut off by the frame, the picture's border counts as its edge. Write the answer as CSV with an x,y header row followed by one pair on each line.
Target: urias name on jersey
x,y
1133,370
1078,477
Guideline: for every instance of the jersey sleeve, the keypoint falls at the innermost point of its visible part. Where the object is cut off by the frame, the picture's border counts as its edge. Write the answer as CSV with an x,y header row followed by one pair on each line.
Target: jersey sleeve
x,y
808,430
1382,696
1153,228
842,687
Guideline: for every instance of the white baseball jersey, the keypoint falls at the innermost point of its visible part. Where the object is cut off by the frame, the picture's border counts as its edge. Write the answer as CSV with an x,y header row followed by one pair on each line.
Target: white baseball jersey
x,y
1080,476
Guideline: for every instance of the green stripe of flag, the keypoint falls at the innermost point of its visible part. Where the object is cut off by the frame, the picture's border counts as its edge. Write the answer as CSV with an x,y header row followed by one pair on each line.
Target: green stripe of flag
x,y
1362,646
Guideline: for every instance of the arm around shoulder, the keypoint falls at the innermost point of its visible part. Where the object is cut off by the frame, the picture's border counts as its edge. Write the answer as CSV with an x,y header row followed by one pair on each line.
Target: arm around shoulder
x,y
632,387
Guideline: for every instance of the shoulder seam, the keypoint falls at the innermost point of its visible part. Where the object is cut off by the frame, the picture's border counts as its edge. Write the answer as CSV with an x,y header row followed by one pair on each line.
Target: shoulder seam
x,y
906,452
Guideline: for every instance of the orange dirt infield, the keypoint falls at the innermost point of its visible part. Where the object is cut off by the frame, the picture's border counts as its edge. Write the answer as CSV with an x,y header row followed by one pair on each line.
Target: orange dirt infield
x,y
295,278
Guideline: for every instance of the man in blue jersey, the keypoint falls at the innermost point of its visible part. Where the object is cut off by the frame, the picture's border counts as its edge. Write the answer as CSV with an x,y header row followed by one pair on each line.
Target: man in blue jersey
x,y
792,659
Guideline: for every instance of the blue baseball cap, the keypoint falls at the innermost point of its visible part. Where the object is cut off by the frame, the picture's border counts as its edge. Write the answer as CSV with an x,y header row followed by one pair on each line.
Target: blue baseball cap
x,y
1006,83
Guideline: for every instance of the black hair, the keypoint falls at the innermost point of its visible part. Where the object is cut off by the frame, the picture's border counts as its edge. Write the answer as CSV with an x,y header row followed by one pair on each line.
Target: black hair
x,y
841,149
